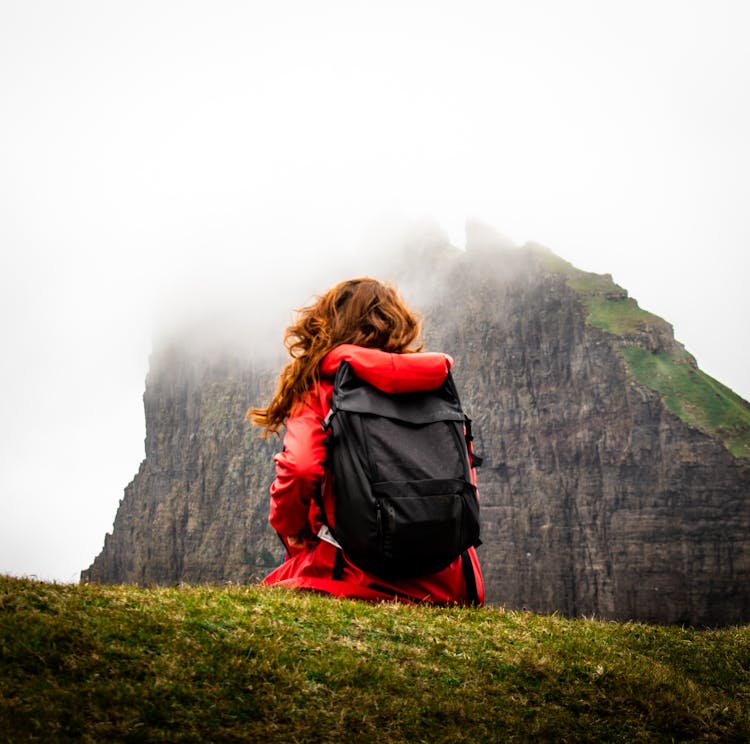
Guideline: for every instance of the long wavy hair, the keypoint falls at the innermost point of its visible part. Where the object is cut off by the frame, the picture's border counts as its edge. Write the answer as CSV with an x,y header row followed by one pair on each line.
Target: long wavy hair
x,y
364,312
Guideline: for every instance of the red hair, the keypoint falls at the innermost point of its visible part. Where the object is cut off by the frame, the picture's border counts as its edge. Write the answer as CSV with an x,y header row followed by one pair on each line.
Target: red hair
x,y
364,312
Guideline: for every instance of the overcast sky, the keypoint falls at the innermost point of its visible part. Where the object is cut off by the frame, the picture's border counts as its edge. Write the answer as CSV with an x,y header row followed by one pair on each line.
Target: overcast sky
x,y
156,155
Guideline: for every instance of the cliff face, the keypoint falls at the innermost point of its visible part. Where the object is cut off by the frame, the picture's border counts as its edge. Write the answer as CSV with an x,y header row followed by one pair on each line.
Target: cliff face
x,y
197,509
596,497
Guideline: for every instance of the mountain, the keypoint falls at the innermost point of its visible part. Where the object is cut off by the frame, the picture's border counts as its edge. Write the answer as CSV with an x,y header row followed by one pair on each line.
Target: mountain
x,y
616,478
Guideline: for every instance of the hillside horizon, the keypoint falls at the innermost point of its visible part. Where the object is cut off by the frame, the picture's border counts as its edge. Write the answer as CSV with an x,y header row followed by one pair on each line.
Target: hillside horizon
x,y
257,663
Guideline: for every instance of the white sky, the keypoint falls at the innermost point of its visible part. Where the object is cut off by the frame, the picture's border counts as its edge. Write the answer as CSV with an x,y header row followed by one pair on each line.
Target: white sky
x,y
152,153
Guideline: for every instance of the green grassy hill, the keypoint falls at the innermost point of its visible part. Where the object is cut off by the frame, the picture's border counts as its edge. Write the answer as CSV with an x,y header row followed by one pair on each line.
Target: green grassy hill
x,y
101,663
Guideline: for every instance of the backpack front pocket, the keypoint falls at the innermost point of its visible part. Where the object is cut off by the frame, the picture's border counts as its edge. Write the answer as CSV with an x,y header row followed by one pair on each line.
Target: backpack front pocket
x,y
425,525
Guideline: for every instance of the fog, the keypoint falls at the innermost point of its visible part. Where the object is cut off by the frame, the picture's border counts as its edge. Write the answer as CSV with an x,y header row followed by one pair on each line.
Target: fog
x,y
166,163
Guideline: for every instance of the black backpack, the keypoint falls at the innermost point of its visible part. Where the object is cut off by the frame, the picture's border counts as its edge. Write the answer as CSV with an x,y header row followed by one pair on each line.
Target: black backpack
x,y
405,504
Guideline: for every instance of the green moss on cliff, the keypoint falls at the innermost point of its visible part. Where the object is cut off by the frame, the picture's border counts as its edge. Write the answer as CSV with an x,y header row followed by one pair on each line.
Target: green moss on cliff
x,y
693,396
607,304
618,315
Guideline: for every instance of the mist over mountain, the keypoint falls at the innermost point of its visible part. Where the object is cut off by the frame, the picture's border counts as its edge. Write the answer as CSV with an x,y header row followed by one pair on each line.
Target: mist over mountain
x,y
616,479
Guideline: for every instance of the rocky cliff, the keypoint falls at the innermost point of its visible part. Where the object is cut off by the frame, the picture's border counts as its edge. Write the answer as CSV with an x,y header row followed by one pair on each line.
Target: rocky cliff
x,y
616,479
196,511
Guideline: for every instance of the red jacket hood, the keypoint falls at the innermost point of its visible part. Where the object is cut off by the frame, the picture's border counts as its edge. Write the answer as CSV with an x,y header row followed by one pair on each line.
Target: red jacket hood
x,y
391,373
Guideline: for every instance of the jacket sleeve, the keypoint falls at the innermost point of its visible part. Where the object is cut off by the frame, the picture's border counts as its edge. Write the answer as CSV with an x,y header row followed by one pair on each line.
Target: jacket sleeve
x,y
391,373
300,467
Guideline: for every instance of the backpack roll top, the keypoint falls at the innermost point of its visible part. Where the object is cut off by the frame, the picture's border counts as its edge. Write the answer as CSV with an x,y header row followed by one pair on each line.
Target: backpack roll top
x,y
405,502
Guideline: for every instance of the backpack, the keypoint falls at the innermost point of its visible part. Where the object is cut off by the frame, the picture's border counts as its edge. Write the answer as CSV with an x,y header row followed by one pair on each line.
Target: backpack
x,y
401,469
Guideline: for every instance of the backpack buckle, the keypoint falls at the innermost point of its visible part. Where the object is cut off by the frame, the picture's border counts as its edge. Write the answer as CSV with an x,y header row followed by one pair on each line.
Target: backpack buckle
x,y
327,420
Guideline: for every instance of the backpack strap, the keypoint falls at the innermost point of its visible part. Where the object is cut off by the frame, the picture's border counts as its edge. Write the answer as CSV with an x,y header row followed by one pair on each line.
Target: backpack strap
x,y
338,565
476,460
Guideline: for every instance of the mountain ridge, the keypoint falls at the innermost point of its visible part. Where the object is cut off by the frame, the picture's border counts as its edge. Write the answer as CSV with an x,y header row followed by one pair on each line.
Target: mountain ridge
x,y
636,330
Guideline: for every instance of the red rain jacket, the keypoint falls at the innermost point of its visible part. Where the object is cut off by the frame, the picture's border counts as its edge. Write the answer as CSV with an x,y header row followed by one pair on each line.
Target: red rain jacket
x,y
300,470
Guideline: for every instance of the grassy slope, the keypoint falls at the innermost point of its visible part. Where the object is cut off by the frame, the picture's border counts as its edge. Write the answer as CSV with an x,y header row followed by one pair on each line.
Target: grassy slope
x,y
698,399
94,663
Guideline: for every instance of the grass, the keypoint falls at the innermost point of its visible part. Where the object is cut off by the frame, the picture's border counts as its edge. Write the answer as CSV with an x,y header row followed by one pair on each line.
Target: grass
x,y
618,316
607,304
695,397
110,663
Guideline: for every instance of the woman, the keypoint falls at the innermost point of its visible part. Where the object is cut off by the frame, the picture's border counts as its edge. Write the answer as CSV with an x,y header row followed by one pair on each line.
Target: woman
x,y
365,323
